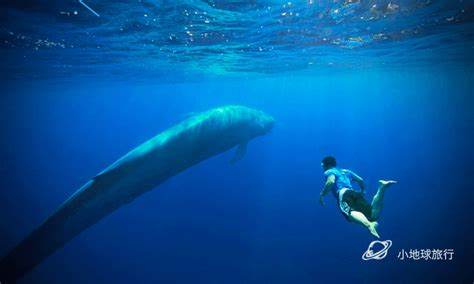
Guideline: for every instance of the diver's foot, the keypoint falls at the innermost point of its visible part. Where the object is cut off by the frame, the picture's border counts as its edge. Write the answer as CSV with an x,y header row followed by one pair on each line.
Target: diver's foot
x,y
373,229
387,183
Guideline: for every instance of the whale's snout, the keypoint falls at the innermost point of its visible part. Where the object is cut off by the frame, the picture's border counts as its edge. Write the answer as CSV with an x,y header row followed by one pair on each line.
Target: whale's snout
x,y
270,122
267,122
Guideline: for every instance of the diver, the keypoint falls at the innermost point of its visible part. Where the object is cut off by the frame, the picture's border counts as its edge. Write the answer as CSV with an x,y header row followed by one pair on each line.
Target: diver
x,y
352,203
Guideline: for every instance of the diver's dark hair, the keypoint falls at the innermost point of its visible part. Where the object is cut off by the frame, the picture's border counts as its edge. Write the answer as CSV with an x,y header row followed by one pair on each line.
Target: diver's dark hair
x,y
329,162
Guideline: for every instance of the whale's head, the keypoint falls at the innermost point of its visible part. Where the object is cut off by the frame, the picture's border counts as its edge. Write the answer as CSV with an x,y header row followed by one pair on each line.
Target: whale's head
x,y
242,123
264,123
257,123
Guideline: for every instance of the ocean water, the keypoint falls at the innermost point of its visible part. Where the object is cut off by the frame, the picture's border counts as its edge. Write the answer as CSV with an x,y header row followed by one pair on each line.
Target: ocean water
x,y
385,87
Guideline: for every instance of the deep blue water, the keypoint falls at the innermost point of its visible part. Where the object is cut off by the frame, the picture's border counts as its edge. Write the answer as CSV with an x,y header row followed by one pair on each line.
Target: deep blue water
x,y
386,91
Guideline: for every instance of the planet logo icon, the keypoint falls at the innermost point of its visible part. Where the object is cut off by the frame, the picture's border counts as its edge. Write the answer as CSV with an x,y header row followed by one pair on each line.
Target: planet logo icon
x,y
381,253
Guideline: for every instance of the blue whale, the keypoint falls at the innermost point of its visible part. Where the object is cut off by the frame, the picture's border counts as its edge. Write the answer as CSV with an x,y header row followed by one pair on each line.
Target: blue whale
x,y
174,150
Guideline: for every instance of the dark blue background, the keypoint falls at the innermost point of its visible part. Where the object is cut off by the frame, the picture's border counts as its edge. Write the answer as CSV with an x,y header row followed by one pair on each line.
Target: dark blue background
x,y
257,221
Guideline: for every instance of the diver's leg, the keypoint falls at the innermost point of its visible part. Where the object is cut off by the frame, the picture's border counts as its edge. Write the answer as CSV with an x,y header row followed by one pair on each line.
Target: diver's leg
x,y
361,219
377,201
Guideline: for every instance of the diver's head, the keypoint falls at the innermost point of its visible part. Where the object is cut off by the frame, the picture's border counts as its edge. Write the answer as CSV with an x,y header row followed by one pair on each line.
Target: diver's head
x,y
328,163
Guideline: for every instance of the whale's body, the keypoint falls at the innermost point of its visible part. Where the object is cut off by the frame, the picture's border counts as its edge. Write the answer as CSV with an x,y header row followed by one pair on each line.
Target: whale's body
x,y
165,155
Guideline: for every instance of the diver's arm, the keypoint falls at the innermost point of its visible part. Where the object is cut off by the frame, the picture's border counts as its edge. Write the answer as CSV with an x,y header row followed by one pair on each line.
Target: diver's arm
x,y
327,187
